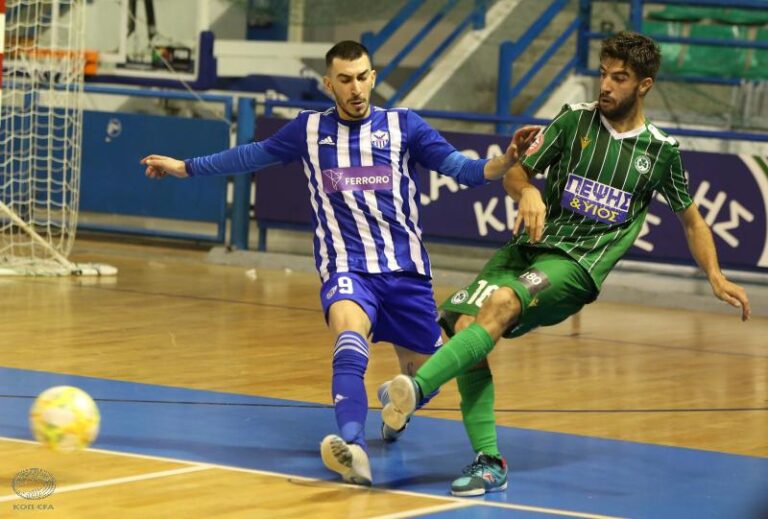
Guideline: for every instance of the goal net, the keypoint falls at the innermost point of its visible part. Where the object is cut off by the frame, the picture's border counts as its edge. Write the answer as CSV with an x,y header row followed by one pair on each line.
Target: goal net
x,y
41,120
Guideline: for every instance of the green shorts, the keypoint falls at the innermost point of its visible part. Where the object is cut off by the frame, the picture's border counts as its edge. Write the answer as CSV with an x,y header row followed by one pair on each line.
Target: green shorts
x,y
551,286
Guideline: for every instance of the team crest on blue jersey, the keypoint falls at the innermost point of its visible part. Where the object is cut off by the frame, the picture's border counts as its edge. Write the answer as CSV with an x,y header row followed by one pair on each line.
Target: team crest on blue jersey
x,y
380,139
595,200
643,164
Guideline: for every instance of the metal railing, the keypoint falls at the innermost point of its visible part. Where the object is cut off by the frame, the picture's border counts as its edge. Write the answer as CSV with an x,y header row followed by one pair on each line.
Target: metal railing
x,y
510,51
374,41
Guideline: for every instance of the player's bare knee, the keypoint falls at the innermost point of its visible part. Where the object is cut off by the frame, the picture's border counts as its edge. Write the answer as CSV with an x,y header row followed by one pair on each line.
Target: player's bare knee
x,y
500,310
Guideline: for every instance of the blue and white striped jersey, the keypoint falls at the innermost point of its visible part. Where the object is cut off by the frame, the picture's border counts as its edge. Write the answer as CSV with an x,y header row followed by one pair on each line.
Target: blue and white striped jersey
x,y
362,183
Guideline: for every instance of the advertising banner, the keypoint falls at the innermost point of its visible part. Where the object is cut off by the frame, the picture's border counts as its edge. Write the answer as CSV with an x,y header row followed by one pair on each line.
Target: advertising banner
x,y
730,190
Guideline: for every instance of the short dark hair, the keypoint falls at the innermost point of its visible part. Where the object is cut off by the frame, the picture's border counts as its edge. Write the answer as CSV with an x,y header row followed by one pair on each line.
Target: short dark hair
x,y
638,52
347,50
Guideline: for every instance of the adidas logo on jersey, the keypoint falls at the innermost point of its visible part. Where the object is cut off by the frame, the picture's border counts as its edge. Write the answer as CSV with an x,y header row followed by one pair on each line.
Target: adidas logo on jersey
x,y
327,140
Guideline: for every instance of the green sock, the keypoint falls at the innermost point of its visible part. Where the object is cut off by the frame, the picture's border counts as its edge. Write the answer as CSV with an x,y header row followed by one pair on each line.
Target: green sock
x,y
464,350
477,399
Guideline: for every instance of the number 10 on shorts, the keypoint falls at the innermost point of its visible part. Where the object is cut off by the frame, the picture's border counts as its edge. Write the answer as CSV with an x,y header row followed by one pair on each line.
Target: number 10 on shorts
x,y
481,293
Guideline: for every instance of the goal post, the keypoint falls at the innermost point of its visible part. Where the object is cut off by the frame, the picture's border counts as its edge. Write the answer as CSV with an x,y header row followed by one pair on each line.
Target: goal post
x,y
41,120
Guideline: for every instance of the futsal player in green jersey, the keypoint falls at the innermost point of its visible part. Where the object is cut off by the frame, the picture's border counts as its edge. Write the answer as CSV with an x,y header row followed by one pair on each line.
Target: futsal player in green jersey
x,y
604,162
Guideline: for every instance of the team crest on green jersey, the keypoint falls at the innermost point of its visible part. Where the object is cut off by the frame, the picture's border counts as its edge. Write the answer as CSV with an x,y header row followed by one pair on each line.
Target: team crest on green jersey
x,y
459,297
643,164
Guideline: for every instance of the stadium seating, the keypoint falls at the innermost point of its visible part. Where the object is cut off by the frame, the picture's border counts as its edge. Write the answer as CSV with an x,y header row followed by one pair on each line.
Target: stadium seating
x,y
712,60
711,23
740,16
758,62
670,52
683,13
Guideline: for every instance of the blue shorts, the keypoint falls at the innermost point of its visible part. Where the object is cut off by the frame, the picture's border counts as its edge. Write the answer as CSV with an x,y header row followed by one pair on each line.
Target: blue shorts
x,y
401,306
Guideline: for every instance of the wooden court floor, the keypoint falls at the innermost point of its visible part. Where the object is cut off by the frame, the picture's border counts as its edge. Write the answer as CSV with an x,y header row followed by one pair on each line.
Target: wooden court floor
x,y
667,377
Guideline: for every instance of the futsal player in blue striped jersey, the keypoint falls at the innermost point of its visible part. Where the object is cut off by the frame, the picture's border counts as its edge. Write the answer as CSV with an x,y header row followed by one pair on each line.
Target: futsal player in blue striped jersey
x,y
359,161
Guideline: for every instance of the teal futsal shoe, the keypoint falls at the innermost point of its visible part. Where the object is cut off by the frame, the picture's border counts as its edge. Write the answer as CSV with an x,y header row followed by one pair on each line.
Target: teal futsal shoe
x,y
485,474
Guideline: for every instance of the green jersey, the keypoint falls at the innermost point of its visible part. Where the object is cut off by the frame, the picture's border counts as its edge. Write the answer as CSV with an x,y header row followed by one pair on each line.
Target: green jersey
x,y
600,183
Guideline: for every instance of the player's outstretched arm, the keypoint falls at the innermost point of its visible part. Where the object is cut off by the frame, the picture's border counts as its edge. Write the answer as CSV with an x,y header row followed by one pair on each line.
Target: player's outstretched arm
x,y
703,250
531,209
159,166
498,166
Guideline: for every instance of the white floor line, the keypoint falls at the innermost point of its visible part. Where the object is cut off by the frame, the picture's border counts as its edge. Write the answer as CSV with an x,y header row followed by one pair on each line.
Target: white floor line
x,y
283,475
116,481
416,512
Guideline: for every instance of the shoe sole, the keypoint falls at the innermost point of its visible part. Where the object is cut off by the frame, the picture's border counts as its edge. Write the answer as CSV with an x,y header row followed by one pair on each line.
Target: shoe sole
x,y
402,402
337,457
479,491
388,434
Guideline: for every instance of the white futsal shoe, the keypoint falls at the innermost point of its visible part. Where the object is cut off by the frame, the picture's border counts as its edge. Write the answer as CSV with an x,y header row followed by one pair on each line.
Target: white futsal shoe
x,y
348,459
388,434
404,395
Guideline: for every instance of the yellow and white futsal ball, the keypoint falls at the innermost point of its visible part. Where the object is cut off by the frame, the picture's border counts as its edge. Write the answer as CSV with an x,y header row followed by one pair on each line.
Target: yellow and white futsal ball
x,y
64,418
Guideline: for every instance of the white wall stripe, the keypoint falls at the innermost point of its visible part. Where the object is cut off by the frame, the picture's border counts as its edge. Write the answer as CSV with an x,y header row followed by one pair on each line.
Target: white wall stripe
x,y
762,181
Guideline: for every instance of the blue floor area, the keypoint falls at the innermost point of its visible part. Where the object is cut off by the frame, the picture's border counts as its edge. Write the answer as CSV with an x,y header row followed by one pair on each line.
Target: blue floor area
x,y
548,470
